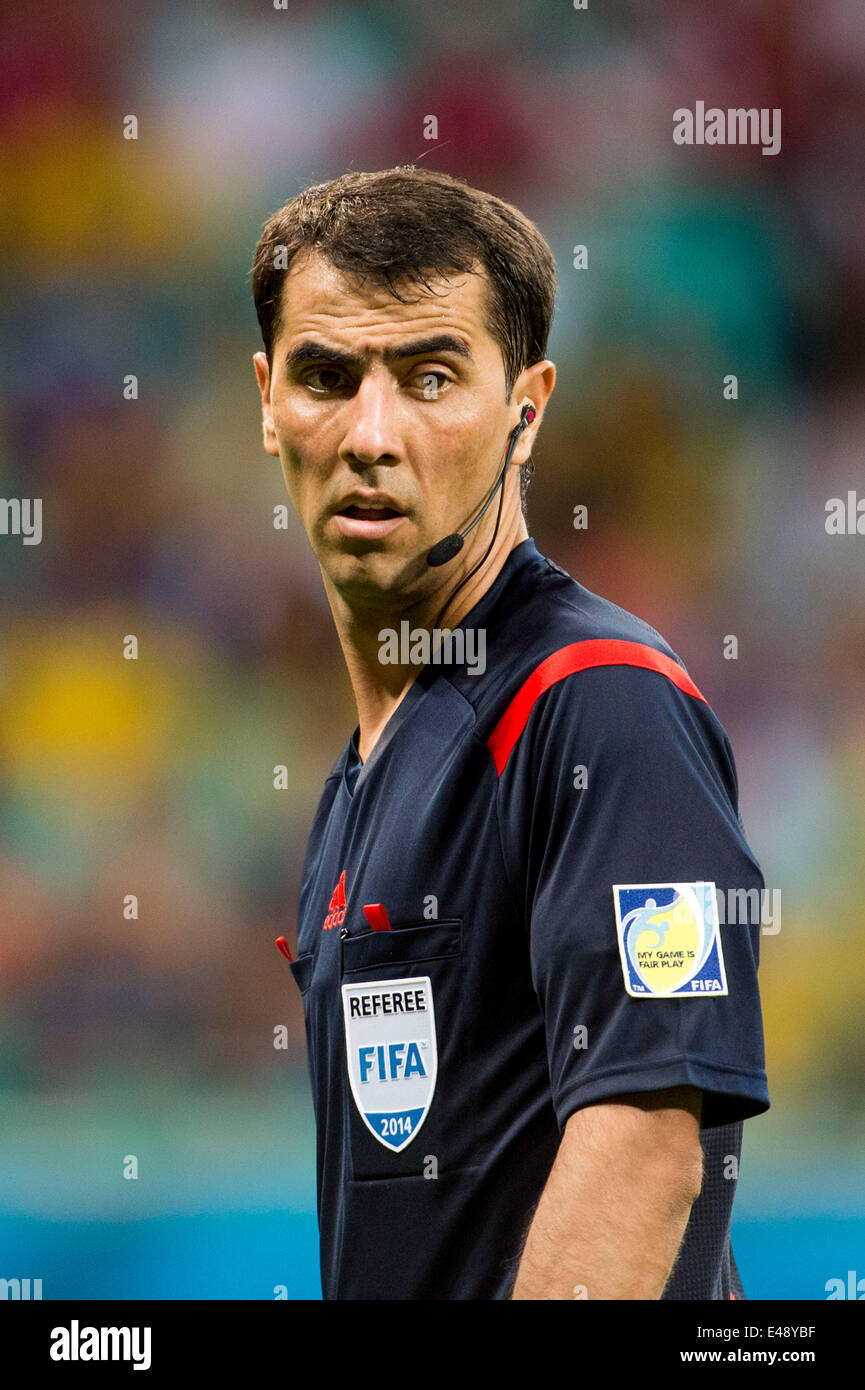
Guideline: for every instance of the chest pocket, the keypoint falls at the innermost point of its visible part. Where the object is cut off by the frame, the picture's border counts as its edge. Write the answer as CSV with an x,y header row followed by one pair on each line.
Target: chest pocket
x,y
409,1084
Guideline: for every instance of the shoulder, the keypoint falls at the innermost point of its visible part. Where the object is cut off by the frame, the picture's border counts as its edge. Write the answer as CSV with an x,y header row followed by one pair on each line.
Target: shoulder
x,y
546,609
570,662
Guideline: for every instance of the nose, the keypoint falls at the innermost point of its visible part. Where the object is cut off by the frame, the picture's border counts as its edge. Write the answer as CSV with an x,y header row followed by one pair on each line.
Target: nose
x,y
372,434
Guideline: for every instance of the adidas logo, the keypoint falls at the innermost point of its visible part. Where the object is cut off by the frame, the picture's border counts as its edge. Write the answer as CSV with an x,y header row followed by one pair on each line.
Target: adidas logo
x,y
336,908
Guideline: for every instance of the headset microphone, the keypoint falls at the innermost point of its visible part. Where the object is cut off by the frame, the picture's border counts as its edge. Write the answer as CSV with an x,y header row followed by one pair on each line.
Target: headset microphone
x,y
451,545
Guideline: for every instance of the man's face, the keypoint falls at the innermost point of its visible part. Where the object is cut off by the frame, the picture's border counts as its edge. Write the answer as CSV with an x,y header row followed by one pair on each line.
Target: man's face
x,y
389,419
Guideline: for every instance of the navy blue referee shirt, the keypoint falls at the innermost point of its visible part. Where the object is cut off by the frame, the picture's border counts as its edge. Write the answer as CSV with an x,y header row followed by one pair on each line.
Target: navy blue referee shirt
x,y
535,894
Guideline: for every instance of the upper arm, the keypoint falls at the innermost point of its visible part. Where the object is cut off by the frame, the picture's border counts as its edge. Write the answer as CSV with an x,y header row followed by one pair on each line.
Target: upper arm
x,y
655,807
656,1129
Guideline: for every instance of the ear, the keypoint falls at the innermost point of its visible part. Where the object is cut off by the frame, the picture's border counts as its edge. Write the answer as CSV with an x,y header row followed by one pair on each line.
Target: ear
x,y
534,384
262,372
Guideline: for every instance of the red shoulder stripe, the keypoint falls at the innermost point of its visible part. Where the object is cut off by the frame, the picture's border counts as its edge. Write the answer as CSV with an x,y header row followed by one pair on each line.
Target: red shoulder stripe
x,y
578,656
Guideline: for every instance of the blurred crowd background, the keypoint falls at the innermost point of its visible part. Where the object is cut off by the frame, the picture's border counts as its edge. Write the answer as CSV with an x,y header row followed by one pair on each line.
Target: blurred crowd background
x,y
154,1037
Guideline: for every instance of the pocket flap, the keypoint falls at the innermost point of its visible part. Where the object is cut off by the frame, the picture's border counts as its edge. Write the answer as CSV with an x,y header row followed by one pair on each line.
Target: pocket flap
x,y
302,969
407,942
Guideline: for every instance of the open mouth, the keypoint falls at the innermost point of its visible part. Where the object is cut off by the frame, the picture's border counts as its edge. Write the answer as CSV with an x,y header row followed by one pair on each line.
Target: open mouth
x,y
369,513
358,522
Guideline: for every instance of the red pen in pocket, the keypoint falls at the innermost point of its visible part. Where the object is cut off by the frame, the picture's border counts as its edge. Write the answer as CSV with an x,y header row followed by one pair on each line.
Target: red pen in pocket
x,y
282,945
377,917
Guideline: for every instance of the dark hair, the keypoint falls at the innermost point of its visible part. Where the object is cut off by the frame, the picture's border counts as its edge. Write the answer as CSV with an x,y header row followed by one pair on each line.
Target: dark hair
x,y
401,225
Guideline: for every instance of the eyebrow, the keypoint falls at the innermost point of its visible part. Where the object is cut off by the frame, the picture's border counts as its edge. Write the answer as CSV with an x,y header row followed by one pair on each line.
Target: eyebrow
x,y
310,351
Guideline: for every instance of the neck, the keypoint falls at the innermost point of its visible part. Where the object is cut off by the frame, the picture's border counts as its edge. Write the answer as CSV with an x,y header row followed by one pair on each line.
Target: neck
x,y
379,685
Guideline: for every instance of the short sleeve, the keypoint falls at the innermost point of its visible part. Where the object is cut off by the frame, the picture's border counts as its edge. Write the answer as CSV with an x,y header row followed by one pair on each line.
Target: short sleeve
x,y
622,781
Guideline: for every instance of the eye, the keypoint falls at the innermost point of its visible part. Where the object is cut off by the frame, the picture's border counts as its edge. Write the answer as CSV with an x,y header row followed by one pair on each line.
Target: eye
x,y
320,372
432,383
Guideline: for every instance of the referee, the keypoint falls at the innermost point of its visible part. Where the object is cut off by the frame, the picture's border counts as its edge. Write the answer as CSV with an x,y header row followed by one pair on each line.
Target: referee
x,y
533,1037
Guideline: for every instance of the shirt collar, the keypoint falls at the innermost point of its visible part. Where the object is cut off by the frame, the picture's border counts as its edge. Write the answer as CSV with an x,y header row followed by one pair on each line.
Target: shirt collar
x,y
354,771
